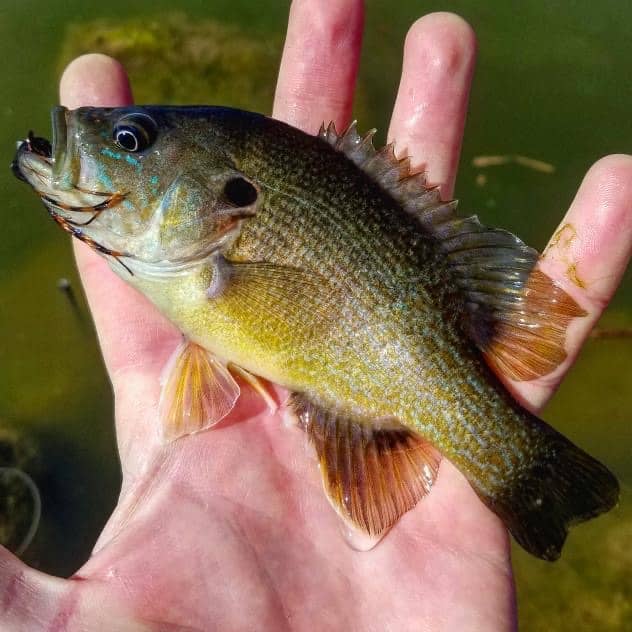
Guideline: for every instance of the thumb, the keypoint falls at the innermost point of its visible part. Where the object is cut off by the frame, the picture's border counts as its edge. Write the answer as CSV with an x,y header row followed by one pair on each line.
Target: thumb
x,y
30,600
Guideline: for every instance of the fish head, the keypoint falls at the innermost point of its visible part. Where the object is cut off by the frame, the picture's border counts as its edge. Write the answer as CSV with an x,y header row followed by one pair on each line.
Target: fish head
x,y
140,183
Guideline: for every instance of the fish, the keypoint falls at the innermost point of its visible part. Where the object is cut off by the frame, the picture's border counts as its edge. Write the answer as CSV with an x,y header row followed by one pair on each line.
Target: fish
x,y
331,268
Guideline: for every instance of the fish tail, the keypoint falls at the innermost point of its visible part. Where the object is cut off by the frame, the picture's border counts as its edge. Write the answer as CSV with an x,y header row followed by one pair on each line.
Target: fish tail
x,y
560,486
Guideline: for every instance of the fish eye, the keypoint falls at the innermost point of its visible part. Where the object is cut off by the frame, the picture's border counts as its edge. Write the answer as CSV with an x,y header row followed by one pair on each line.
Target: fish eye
x,y
134,132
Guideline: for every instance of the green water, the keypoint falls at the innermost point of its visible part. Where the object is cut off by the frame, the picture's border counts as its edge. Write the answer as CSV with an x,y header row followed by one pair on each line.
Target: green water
x,y
553,83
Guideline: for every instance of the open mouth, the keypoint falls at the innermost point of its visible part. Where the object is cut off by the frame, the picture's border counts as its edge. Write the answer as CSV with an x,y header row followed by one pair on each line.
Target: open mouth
x,y
48,170
53,173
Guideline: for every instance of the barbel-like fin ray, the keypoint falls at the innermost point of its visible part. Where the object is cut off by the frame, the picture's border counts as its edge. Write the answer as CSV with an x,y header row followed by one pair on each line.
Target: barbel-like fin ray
x,y
516,315
197,392
257,384
373,472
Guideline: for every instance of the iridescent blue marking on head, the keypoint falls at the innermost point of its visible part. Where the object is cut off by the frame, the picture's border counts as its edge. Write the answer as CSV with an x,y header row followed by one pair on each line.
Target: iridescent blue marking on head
x,y
103,178
134,162
106,151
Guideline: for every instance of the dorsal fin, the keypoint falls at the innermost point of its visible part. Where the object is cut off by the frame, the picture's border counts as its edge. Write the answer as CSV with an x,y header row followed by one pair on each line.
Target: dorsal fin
x,y
392,173
516,315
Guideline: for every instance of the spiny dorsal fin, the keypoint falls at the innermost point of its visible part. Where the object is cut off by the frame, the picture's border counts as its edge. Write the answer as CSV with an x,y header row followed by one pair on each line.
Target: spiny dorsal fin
x,y
373,471
392,173
516,315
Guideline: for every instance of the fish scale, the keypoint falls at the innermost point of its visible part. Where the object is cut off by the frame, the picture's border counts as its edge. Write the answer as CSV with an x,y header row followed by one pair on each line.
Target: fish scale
x,y
326,266
331,218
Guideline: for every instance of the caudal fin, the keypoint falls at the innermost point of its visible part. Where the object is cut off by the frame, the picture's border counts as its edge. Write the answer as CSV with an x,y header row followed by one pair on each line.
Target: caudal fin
x,y
561,487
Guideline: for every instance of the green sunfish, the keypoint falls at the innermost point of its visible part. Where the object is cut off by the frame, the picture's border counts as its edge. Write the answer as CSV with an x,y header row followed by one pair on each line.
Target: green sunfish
x,y
328,267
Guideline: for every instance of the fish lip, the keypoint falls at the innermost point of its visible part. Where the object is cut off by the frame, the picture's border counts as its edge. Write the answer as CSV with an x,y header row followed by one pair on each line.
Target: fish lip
x,y
62,172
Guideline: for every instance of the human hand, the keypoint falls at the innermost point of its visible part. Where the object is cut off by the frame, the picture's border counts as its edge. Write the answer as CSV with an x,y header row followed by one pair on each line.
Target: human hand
x,y
230,529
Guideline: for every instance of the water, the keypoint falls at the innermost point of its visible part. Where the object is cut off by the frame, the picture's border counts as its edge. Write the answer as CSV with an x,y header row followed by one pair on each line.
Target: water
x,y
552,83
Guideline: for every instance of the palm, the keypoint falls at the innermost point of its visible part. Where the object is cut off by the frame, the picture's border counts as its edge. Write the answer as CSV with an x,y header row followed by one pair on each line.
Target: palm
x,y
233,528
230,529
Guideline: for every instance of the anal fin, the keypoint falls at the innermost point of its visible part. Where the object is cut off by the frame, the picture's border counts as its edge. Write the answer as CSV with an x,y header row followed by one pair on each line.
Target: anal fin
x,y
373,470
197,392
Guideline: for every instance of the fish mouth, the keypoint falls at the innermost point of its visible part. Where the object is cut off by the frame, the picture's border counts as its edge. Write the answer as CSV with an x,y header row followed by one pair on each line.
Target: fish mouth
x,y
53,172
50,169
53,158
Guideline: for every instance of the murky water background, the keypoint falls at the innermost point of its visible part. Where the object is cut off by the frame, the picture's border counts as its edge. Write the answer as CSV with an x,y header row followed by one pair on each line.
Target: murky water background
x,y
553,83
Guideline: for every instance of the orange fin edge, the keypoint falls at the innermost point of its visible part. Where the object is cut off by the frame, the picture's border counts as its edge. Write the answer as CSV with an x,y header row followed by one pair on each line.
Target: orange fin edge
x,y
529,341
373,471
197,392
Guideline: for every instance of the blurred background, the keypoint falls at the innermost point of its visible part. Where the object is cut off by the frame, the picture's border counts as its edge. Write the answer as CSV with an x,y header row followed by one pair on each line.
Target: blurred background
x,y
552,93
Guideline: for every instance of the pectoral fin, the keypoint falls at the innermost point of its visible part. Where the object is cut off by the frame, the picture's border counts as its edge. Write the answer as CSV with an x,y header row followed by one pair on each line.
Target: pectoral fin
x,y
373,471
281,298
197,392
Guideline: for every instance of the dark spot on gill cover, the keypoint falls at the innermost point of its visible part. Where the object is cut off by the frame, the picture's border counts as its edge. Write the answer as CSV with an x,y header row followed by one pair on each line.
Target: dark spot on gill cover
x,y
239,192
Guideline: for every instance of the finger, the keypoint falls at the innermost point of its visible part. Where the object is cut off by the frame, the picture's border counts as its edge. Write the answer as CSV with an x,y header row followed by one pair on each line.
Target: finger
x,y
320,62
587,256
431,104
31,600
95,80
135,339
28,598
